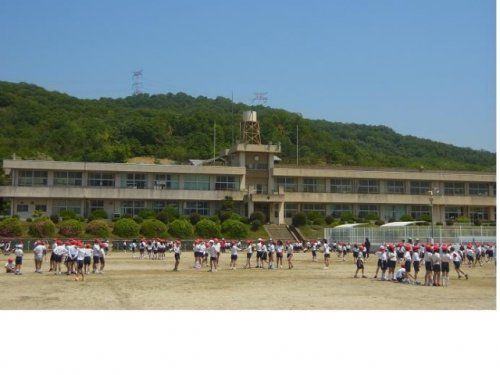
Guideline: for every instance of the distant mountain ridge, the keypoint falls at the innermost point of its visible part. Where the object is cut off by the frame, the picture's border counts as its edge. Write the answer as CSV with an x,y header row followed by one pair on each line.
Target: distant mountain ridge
x,y
36,123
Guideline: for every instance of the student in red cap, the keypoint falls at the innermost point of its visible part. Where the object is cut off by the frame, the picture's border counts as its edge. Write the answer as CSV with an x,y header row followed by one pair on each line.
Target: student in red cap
x,y
436,266
445,265
289,254
428,265
392,261
360,265
212,249
177,254
10,267
249,251
279,254
416,261
383,262
378,253
456,256
234,255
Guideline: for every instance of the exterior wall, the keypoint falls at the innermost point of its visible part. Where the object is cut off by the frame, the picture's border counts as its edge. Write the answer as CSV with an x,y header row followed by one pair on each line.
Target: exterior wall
x,y
246,194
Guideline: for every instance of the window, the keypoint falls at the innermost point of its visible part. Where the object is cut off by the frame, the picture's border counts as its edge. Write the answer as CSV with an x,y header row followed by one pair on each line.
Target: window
x,y
32,178
368,187
368,210
134,180
41,207
314,207
96,205
395,187
339,209
313,185
167,181
288,183
260,189
20,208
67,205
291,209
68,178
225,183
158,206
132,207
196,182
199,207
478,189
454,188
478,213
101,179
341,185
420,187
417,212
451,213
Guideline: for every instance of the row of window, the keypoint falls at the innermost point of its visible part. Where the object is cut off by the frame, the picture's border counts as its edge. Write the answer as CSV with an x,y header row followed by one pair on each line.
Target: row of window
x,y
395,212
128,180
370,186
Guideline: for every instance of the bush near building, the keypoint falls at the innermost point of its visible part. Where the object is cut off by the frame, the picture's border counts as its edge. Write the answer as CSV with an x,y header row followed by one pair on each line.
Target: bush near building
x,y
153,228
234,229
11,227
167,215
207,228
71,228
181,228
299,219
126,228
257,215
99,228
98,214
42,227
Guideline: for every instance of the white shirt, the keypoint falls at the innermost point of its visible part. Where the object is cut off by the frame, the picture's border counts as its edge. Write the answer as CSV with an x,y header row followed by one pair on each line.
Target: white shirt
x,y
271,248
217,247
81,254
428,256
264,248
234,250
59,250
445,258
213,251
407,255
289,249
177,249
250,249
436,258
19,252
279,249
96,250
72,252
88,252
383,256
327,249
400,273
416,257
38,250
456,256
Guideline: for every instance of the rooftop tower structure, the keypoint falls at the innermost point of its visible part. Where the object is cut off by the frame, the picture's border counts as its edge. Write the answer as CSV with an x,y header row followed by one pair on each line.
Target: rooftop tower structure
x,y
250,128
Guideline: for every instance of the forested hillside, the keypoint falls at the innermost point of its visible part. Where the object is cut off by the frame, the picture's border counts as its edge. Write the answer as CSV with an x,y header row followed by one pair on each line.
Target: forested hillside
x,y
36,123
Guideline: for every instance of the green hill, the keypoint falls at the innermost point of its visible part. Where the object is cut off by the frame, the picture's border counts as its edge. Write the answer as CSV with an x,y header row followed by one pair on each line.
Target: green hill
x,y
36,123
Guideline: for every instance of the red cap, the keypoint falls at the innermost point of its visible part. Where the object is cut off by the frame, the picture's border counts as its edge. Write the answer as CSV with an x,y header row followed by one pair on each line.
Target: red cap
x,y
416,247
407,246
10,260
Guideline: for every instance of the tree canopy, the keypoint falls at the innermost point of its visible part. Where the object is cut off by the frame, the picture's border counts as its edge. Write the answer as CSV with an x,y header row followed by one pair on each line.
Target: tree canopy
x,y
36,123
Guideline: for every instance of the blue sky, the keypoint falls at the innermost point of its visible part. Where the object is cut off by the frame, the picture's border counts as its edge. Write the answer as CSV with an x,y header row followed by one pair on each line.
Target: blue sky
x,y
422,67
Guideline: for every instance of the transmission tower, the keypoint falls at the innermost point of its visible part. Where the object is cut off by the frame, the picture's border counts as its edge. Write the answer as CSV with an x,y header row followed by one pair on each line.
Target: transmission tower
x,y
137,82
260,97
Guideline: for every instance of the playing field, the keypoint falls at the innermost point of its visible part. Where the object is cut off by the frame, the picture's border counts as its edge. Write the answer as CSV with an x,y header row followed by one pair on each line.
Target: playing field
x,y
150,284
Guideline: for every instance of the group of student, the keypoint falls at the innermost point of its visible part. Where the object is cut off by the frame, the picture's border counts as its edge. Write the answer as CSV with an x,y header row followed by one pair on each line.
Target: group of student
x,y
76,255
269,254
153,249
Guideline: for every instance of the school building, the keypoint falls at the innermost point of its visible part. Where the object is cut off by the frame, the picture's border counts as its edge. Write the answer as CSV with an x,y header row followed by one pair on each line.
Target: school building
x,y
253,176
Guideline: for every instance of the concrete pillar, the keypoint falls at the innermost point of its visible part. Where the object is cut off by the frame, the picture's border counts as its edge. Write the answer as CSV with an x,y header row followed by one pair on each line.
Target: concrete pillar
x,y
250,208
281,213
492,213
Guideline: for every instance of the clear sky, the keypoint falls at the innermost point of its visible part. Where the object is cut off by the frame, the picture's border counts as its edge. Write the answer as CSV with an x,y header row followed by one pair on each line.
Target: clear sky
x,y
422,67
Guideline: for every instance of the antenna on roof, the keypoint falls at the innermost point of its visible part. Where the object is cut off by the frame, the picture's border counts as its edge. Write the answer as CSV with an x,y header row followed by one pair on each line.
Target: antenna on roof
x,y
260,97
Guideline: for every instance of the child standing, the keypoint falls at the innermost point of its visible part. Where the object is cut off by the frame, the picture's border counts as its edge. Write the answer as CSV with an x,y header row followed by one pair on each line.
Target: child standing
x,y
19,253
360,265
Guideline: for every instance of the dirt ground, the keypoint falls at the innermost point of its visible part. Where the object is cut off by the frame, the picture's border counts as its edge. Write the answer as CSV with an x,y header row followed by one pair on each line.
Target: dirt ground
x,y
130,283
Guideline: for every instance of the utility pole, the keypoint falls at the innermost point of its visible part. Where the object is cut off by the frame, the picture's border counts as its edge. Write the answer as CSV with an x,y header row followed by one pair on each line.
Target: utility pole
x,y
297,131
137,82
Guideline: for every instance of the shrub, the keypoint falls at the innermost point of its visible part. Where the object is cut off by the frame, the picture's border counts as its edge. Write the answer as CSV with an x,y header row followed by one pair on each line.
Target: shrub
x,y
67,214
439,223
153,228
181,228
138,219
225,215
98,213
299,219
245,220
257,215
214,219
463,220
99,228
147,214
347,217
316,218
70,228
29,220
450,222
42,227
167,215
206,228
379,222
425,217
255,225
194,217
406,217
372,216
11,227
126,228
54,218
234,229
329,219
